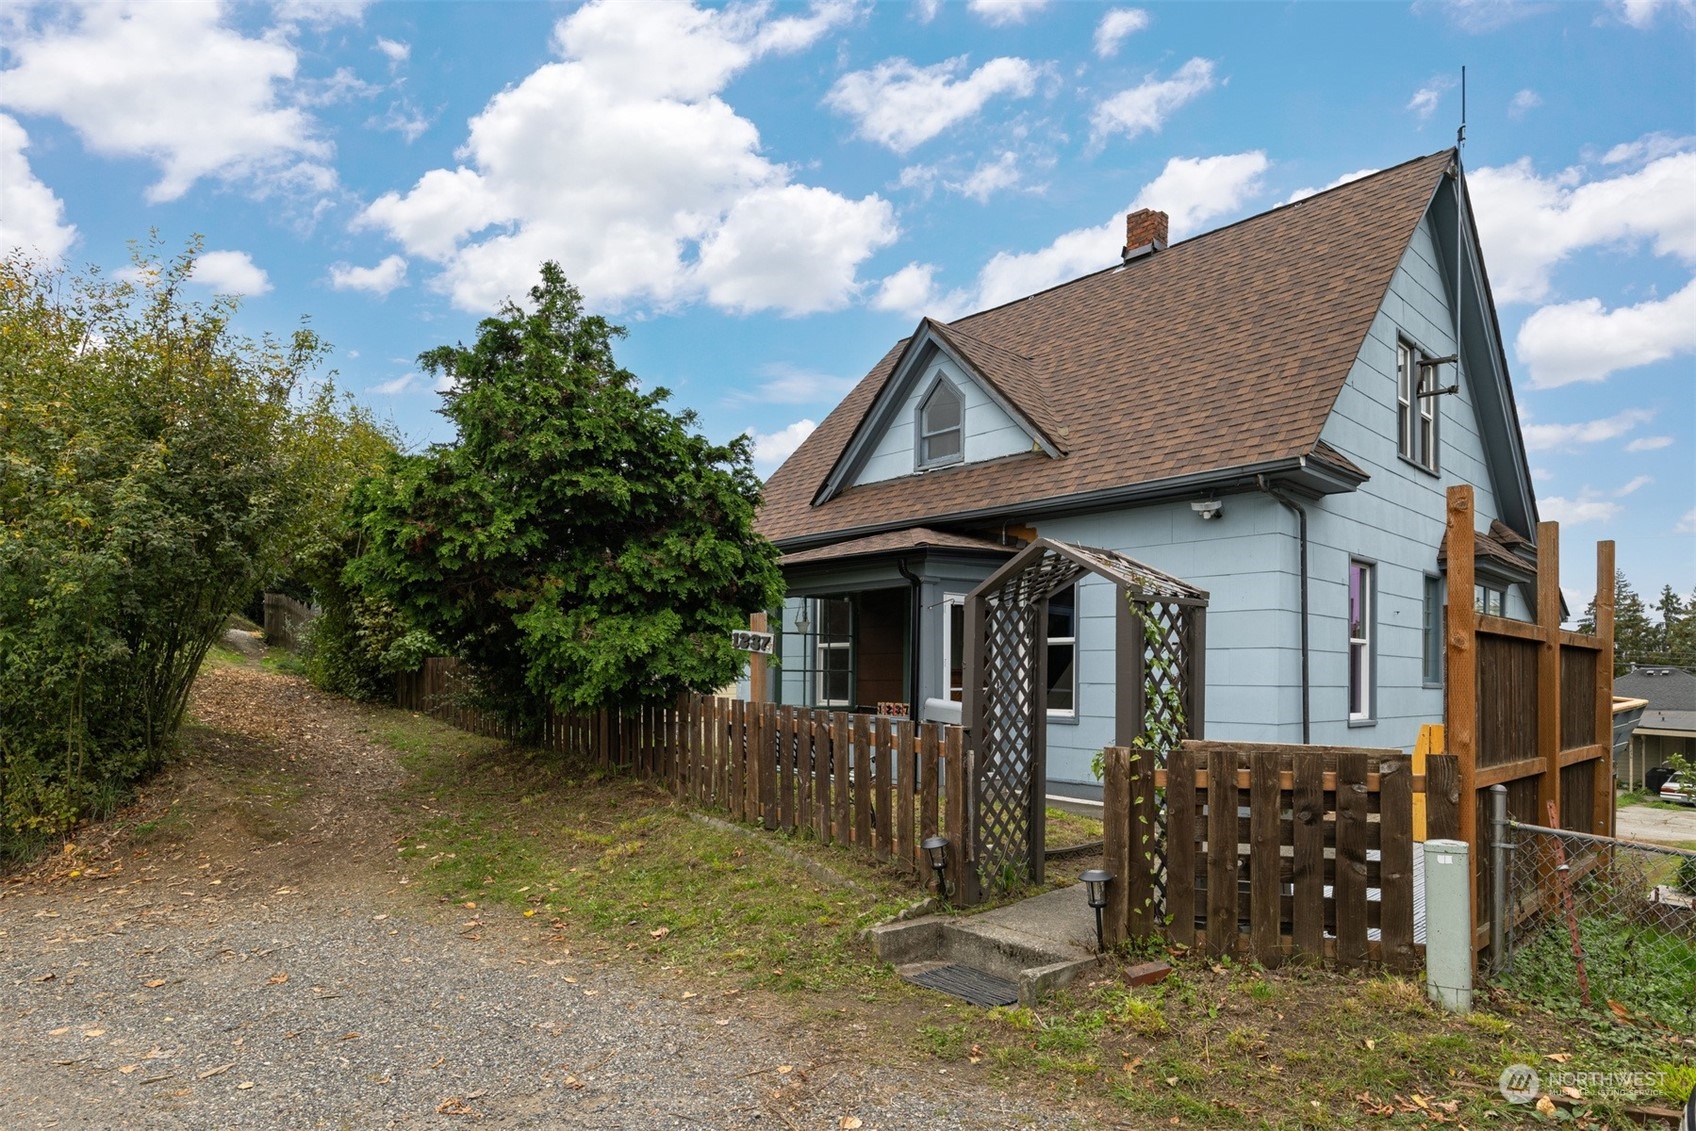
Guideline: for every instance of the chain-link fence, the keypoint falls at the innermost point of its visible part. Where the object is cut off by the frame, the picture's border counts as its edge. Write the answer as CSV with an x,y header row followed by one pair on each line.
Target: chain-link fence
x,y
1598,924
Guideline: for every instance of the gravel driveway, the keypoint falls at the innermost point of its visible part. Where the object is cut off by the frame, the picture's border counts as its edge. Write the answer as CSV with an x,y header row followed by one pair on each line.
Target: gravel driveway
x,y
224,985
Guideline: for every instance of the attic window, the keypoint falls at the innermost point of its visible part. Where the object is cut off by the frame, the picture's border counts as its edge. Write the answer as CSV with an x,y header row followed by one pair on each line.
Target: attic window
x,y
941,436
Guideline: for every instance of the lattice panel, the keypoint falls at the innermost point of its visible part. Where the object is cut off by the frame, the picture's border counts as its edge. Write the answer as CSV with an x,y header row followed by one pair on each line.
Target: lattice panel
x,y
1004,790
1006,787
1166,675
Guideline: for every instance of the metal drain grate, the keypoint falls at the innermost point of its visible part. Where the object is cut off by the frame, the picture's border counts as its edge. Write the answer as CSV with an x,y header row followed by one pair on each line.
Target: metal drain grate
x,y
973,985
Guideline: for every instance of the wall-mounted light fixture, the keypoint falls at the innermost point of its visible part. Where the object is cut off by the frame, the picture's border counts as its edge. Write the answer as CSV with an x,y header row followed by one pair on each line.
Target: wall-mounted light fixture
x,y
1208,508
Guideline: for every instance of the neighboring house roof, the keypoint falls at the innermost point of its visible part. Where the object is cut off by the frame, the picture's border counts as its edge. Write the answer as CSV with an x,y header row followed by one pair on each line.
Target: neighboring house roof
x,y
1222,355
1670,692
1665,688
896,541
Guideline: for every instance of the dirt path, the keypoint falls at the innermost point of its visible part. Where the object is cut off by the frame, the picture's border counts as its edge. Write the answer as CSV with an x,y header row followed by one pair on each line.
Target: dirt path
x,y
257,958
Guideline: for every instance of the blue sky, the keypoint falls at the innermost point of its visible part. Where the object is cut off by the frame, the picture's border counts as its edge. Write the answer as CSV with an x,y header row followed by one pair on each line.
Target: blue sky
x,y
770,195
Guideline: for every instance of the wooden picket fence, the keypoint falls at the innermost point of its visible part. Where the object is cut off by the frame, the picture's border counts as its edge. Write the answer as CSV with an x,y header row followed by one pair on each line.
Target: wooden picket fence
x,y
1317,859
871,782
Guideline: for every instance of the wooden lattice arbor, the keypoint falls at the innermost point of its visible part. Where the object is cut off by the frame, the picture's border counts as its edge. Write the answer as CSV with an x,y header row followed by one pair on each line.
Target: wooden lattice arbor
x,y
1159,655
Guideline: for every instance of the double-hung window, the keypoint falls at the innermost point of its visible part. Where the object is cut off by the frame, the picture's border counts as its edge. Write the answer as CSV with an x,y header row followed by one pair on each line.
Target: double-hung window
x,y
1062,695
941,426
1361,613
1416,416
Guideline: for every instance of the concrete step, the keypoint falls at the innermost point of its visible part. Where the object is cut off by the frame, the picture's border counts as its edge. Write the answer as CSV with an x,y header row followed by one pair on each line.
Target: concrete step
x,y
1040,943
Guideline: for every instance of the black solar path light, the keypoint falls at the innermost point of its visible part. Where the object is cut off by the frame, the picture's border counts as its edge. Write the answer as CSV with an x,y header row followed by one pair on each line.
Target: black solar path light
x,y
1095,882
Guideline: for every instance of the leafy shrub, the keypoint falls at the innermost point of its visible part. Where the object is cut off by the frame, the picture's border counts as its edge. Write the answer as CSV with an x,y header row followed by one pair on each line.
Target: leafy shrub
x,y
154,468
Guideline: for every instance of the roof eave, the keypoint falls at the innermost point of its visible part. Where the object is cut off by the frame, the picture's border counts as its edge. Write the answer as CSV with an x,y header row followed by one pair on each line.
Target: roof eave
x,y
1301,472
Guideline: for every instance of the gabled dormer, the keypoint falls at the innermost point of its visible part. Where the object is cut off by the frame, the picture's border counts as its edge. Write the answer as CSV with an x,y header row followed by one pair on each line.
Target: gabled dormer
x,y
951,399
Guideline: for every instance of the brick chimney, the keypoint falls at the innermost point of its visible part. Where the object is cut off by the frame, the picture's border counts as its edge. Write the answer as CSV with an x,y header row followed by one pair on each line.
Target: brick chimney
x,y
1145,233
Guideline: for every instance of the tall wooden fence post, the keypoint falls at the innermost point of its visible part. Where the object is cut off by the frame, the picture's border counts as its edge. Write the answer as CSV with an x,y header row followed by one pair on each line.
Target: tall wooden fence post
x,y
1461,666
1117,838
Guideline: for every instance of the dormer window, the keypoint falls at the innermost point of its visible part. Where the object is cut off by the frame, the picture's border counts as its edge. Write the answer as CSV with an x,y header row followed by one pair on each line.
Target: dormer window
x,y
941,436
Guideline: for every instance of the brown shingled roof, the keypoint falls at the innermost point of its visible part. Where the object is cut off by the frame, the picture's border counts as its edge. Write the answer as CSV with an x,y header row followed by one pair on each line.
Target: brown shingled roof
x,y
1224,351
894,541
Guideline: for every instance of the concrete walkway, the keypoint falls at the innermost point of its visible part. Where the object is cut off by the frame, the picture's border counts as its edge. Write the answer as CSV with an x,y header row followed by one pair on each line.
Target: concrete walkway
x,y
1662,826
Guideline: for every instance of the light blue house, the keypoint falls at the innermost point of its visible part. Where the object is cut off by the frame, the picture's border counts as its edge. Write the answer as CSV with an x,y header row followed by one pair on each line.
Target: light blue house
x,y
1271,411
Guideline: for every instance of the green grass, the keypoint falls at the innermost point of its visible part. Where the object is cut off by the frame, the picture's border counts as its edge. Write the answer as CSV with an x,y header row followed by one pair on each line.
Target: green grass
x,y
613,860
1066,829
1652,973
615,867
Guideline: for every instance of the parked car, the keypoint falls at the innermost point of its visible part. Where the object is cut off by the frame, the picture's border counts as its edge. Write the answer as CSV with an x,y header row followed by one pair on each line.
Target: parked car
x,y
1679,789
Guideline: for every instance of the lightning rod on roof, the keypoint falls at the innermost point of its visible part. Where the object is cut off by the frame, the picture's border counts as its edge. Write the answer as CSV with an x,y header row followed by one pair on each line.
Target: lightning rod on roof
x,y
1460,134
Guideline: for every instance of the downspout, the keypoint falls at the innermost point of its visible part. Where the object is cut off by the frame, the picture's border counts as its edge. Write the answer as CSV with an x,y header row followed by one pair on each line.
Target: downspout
x,y
1306,681
915,606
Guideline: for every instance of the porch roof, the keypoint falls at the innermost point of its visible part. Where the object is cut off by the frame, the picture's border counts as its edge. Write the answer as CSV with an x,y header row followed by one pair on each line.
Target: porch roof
x,y
897,541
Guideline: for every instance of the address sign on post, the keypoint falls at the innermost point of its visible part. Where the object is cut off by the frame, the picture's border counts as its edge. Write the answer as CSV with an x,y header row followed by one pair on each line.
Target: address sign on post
x,y
760,642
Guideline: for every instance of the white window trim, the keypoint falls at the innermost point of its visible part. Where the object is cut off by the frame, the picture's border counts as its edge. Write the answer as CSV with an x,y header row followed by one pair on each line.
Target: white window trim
x,y
1416,416
939,381
821,647
949,600
820,699
1057,712
1363,642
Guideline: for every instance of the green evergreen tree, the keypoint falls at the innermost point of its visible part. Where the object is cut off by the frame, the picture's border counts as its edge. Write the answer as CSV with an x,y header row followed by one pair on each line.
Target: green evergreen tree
x,y
578,544
1636,639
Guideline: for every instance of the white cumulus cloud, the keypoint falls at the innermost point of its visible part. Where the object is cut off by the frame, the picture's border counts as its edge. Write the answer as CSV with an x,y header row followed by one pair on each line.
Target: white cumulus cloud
x,y
1686,523
1582,341
1115,26
1588,507
772,448
1649,444
990,178
900,105
172,84
378,280
1145,107
1641,14
1523,103
230,273
1191,190
1529,223
33,219
1304,193
1566,437
1000,13
1426,99
623,163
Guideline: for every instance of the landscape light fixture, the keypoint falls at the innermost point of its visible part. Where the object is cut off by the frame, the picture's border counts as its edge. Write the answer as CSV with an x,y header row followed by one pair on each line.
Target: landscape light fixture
x,y
1095,882
936,847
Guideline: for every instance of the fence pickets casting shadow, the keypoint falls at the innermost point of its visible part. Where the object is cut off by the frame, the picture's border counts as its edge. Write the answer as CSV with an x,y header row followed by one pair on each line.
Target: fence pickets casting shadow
x,y
1275,852
874,783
